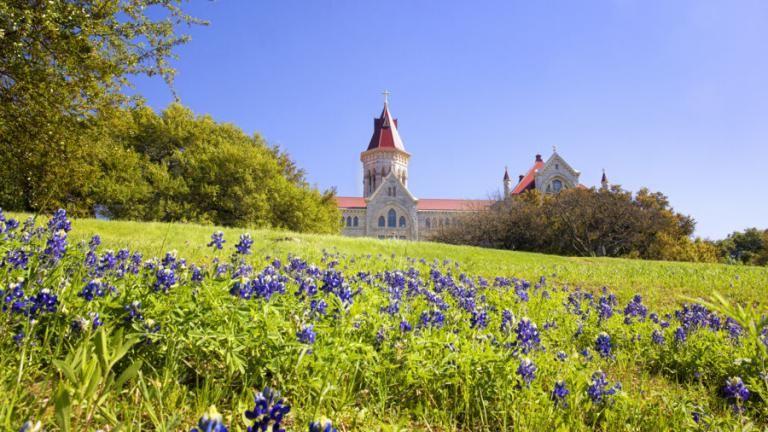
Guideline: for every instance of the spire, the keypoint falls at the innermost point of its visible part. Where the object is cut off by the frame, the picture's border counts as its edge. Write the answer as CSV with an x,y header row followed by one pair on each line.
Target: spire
x,y
604,180
385,133
506,174
507,182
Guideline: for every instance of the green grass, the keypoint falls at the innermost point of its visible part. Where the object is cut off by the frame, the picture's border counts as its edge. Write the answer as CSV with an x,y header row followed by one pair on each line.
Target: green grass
x,y
215,348
662,283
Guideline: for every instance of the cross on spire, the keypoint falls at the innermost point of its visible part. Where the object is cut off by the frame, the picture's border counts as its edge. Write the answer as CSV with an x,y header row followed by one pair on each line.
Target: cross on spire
x,y
386,94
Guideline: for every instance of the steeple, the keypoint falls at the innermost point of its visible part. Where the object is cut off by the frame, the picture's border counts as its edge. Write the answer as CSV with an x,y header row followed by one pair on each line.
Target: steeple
x,y
385,154
604,180
507,182
385,133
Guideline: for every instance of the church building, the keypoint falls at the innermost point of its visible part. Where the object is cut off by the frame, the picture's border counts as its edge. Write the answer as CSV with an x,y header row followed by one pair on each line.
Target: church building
x,y
388,209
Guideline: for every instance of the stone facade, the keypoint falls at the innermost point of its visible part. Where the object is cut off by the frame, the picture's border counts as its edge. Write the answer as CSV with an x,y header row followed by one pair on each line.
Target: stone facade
x,y
388,209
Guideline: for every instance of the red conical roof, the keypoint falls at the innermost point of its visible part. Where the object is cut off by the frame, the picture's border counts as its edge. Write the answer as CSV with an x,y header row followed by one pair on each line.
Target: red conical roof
x,y
385,132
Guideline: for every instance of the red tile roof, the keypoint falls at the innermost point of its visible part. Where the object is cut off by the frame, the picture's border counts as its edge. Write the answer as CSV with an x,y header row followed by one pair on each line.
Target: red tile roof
x,y
424,204
528,180
350,202
385,133
453,204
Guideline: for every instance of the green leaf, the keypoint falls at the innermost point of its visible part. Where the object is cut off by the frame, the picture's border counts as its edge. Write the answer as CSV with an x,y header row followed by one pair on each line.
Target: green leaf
x,y
129,373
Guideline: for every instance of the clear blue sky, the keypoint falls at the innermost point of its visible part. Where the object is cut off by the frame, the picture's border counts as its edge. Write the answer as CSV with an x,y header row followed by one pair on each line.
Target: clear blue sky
x,y
672,95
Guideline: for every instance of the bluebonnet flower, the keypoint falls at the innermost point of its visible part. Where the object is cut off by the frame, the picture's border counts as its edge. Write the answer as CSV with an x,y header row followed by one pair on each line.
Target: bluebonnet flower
x,y
527,371
734,329
392,308
59,222
134,311
735,392
217,240
269,409
244,245
479,319
561,355
521,289
605,307
91,323
94,288
17,258
211,421
197,274
318,307
696,416
635,309
586,354
242,288
94,242
559,393
307,334
56,246
599,389
42,302
507,320
165,279
405,326
680,335
603,344
323,425
527,335
657,337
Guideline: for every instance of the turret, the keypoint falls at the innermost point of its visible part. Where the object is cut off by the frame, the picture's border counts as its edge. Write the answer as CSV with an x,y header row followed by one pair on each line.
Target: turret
x,y
385,153
507,183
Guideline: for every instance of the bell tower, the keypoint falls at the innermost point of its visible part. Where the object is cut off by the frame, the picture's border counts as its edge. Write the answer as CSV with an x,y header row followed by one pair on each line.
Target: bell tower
x,y
385,154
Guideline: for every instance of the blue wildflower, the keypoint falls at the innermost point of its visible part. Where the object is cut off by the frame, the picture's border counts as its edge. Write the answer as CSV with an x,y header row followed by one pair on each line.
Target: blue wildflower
x,y
657,337
217,240
307,334
527,335
318,307
59,222
323,425
405,326
94,288
269,409
603,344
559,393
42,302
211,421
599,389
479,319
134,311
680,335
527,371
635,309
735,392
56,246
244,245
165,279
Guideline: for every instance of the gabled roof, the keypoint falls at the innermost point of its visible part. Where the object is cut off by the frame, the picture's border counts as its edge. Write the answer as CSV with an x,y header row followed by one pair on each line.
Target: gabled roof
x,y
528,179
453,204
385,133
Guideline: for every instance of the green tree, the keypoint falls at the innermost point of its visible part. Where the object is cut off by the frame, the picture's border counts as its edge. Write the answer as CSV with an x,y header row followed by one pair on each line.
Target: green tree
x,y
62,63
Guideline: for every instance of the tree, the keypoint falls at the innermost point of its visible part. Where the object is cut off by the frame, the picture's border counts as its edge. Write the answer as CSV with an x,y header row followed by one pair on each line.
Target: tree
x,y
62,63
747,247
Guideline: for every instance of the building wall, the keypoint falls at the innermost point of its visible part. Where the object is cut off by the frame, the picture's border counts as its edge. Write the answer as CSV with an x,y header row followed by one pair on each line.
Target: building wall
x,y
430,222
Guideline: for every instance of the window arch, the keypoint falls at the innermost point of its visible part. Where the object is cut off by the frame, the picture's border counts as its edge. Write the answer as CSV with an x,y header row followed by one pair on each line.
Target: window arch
x,y
401,222
557,185
382,222
391,218
349,221
355,221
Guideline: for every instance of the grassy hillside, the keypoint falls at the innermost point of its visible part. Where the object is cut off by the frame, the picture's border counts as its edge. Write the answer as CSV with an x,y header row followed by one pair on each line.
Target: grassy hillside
x,y
374,335
661,282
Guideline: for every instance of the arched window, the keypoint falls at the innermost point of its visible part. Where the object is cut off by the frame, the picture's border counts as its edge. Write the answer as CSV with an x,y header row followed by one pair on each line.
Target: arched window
x,y
349,221
382,222
429,225
391,218
557,185
355,221
402,222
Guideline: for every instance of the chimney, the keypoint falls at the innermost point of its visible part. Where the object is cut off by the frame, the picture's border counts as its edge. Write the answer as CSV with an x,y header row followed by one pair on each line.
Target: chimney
x,y
538,158
520,178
